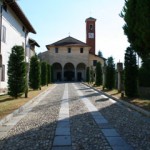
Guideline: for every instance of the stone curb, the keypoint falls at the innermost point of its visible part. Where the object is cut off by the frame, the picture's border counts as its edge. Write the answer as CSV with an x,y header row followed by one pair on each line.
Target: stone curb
x,y
20,109
144,112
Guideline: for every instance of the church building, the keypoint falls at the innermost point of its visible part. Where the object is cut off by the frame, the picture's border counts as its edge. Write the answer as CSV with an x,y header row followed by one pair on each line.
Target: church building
x,y
70,57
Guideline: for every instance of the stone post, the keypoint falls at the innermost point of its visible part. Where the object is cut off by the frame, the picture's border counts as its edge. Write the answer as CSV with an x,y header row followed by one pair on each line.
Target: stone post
x,y
104,75
119,70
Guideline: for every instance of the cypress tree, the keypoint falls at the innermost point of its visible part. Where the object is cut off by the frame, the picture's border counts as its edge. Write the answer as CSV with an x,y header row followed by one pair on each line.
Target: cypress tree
x,y
131,73
98,74
34,74
43,73
87,74
48,73
16,72
110,73
91,75
52,70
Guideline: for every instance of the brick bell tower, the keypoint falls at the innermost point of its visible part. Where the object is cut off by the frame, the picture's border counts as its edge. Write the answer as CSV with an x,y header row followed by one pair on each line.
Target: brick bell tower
x,y
90,33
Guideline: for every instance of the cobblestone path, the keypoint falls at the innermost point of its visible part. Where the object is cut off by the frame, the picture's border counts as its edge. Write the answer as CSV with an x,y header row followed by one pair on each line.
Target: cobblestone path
x,y
74,117
132,126
36,130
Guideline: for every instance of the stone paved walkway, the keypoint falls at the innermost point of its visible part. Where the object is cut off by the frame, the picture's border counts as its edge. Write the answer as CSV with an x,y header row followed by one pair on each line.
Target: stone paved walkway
x,y
72,116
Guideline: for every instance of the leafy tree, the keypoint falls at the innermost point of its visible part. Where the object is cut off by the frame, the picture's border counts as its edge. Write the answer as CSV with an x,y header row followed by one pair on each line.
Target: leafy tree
x,y
87,74
48,73
16,72
144,74
43,73
100,54
98,74
136,14
131,73
35,73
110,73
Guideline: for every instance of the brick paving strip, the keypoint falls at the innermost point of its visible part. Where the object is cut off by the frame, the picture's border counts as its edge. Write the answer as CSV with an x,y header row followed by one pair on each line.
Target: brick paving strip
x,y
112,136
85,133
35,129
62,139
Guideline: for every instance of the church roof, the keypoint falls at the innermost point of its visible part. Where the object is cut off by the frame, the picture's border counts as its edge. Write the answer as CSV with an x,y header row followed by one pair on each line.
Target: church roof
x,y
68,41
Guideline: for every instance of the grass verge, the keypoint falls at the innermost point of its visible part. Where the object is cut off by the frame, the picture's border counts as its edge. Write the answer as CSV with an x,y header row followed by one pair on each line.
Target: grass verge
x,y
9,104
138,101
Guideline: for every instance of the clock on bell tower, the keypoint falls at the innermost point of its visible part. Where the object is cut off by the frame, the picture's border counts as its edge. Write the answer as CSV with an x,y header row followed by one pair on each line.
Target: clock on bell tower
x,y
90,33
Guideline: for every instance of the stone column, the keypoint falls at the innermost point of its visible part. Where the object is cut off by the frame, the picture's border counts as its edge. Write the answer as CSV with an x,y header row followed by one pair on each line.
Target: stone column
x,y
119,69
75,72
62,75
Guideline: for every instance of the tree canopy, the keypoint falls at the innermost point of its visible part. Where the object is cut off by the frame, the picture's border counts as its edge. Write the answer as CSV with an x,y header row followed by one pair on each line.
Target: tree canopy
x,y
136,14
100,54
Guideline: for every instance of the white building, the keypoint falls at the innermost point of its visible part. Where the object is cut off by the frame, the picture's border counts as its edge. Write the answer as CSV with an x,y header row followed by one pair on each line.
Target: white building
x,y
15,29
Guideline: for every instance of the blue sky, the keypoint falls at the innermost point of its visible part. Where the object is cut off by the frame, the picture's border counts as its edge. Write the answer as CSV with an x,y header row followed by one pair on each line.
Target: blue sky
x,y
55,19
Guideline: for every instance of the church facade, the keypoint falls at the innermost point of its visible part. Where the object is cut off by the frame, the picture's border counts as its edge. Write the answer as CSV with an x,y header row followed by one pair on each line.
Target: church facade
x,y
70,57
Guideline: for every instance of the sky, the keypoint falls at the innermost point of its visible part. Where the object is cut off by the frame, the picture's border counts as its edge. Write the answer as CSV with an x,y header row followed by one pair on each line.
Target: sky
x,y
54,20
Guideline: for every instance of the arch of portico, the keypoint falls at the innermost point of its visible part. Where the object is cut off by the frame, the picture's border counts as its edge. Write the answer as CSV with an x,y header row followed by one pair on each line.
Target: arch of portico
x,y
81,72
57,71
69,71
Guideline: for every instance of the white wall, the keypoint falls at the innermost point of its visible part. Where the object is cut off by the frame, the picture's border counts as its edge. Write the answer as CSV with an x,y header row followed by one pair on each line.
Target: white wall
x,y
14,36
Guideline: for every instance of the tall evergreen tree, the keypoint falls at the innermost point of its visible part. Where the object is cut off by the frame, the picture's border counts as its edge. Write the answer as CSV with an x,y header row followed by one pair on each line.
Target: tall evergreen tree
x,y
35,73
98,74
48,73
110,73
131,73
16,72
43,73
52,74
136,14
144,73
91,74
87,74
